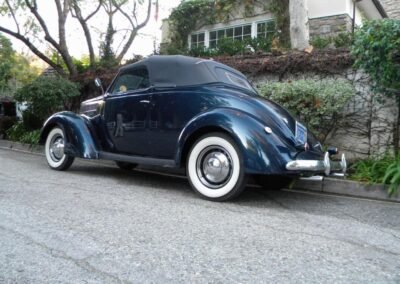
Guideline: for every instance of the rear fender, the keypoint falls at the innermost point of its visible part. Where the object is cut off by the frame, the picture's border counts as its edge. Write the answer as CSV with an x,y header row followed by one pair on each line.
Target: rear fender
x,y
78,131
263,153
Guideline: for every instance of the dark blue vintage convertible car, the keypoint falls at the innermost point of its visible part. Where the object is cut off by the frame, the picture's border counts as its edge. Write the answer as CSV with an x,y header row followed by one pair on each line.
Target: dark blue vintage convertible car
x,y
183,112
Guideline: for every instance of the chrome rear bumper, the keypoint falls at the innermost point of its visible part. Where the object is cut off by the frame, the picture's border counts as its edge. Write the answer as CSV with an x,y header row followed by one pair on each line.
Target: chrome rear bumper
x,y
319,166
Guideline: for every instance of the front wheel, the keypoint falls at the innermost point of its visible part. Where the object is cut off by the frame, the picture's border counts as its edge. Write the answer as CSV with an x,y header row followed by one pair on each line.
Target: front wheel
x,y
54,150
215,167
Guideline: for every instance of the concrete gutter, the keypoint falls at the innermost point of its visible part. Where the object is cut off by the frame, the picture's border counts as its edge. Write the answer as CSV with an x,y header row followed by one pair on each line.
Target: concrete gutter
x,y
346,188
324,185
16,146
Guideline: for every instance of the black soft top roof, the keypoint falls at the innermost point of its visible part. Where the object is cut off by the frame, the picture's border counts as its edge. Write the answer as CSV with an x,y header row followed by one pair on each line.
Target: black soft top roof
x,y
178,70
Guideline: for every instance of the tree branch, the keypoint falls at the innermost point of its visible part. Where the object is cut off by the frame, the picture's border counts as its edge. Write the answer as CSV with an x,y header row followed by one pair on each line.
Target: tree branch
x,y
34,49
48,37
134,31
86,30
13,16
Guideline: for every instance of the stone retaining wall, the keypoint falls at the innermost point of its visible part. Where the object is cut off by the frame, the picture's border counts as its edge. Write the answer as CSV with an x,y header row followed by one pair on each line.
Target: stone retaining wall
x,y
368,124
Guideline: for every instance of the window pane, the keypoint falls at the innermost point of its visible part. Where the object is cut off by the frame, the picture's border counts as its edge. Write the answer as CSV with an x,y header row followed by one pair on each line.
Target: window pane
x,y
247,30
213,35
271,26
194,39
260,27
221,34
239,38
229,32
238,31
132,80
213,43
246,37
201,37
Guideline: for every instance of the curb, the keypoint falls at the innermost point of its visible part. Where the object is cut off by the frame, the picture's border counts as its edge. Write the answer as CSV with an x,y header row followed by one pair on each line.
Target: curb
x,y
346,188
16,146
327,185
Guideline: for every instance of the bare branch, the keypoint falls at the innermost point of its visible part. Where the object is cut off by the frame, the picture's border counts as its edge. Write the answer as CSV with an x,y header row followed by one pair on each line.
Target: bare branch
x,y
88,17
134,31
48,37
34,49
13,15
83,22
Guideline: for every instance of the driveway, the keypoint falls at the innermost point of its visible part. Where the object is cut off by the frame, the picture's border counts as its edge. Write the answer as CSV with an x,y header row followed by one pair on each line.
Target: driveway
x,y
98,224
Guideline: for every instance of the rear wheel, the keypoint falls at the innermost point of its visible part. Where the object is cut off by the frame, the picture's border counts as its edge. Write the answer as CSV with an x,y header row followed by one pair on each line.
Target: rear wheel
x,y
54,150
125,165
215,167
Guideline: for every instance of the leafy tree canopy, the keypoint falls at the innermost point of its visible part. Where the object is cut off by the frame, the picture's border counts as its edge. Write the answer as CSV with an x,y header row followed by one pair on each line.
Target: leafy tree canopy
x,y
377,51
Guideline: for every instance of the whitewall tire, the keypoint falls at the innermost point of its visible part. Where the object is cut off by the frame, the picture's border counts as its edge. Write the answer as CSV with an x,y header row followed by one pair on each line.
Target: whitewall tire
x,y
54,150
215,167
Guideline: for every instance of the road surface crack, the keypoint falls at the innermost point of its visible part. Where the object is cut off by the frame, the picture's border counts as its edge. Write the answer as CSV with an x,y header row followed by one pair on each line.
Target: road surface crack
x,y
82,263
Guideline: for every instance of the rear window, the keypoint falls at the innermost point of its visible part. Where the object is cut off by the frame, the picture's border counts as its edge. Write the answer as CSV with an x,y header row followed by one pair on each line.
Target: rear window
x,y
231,78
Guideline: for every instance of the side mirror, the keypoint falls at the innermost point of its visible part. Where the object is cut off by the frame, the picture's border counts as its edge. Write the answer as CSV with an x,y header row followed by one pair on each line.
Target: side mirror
x,y
98,84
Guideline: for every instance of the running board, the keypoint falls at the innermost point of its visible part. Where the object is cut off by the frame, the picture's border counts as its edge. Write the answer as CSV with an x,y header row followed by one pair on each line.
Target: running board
x,y
137,160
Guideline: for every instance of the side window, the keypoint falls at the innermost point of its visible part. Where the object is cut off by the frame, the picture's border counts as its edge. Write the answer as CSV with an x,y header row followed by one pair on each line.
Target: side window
x,y
131,80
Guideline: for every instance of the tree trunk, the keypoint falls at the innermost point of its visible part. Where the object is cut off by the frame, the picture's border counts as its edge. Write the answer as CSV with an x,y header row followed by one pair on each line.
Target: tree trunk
x,y
396,132
299,27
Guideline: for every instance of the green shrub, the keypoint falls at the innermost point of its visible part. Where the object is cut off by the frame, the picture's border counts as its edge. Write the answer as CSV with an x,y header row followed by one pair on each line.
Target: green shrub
x,y
47,95
6,123
343,40
19,133
318,103
392,176
376,50
259,44
228,46
384,170
202,52
370,170
320,42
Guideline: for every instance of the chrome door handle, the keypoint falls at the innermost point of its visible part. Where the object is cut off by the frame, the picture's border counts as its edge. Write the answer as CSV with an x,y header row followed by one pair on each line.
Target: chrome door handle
x,y
144,101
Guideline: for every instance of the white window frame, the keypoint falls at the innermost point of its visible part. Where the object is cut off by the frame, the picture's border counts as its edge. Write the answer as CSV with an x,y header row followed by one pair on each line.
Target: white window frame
x,y
253,24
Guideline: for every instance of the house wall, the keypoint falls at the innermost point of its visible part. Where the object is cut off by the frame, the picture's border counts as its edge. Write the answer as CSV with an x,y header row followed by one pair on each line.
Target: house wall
x,y
326,17
237,18
330,25
332,17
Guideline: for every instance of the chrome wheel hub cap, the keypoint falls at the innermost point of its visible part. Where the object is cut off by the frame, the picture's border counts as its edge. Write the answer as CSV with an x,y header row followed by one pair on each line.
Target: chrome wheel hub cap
x,y
214,167
57,148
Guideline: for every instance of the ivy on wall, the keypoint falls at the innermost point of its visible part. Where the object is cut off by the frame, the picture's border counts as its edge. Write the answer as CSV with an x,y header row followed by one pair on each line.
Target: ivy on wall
x,y
192,14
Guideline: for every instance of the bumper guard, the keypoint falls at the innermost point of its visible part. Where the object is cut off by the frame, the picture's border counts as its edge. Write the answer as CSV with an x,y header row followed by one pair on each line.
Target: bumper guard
x,y
319,166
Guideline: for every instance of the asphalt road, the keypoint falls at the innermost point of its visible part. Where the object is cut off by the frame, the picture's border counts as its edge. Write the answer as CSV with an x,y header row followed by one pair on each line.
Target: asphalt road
x,y
98,224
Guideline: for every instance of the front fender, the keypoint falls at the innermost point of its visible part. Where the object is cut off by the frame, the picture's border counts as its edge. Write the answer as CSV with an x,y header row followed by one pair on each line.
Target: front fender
x,y
263,153
79,141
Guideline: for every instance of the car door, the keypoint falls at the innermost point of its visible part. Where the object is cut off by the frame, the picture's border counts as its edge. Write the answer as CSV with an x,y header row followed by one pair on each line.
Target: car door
x,y
171,110
127,112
